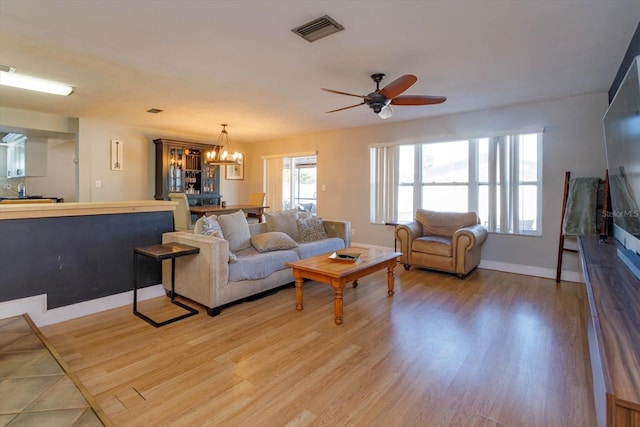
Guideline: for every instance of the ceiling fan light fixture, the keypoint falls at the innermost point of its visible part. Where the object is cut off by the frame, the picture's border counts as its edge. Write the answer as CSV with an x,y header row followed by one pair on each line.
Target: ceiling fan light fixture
x,y
380,100
8,77
386,112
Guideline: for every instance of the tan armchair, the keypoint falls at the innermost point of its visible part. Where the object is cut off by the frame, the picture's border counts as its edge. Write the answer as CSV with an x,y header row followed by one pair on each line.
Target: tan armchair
x,y
444,241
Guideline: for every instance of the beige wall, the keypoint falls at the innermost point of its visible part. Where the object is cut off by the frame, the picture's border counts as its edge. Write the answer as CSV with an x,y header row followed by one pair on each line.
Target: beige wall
x,y
61,173
572,141
45,127
136,180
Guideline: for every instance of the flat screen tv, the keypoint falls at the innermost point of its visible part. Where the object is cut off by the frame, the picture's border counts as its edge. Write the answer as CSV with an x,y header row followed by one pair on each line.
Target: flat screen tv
x,y
622,144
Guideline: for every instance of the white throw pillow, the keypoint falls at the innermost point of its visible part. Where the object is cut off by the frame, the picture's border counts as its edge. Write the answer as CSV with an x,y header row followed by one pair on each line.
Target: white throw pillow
x,y
211,226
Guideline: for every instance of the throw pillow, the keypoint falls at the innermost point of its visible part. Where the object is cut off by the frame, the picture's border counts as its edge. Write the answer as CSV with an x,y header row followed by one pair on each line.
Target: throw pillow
x,y
235,230
211,226
305,215
272,241
283,221
198,227
311,229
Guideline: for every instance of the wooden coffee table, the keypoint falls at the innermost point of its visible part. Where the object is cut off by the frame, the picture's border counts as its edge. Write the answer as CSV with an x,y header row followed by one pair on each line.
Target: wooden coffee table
x,y
337,273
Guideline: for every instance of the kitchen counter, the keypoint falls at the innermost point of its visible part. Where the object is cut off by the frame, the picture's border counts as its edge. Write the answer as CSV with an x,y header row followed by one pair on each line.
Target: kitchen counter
x,y
55,199
79,251
49,210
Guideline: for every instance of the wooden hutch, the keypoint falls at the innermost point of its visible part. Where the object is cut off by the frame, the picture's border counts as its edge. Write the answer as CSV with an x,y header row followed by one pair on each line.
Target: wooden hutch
x,y
181,168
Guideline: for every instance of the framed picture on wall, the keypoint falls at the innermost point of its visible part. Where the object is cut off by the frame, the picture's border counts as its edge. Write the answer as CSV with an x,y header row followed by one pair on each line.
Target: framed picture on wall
x,y
234,171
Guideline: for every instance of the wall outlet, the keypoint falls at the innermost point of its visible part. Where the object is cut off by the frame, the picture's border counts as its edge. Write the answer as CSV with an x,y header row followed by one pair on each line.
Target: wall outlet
x,y
98,183
7,186
353,232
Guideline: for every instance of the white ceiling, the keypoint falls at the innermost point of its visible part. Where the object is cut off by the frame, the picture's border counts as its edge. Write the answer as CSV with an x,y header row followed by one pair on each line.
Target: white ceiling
x,y
206,62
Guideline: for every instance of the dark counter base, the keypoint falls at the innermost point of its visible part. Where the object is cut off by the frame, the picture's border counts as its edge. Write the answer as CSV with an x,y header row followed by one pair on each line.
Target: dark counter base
x,y
77,258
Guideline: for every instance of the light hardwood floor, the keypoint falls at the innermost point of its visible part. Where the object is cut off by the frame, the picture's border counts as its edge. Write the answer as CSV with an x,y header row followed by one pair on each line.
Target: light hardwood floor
x,y
495,349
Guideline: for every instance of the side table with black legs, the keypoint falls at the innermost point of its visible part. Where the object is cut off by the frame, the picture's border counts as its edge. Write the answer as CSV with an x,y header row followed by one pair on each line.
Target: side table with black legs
x,y
394,224
162,252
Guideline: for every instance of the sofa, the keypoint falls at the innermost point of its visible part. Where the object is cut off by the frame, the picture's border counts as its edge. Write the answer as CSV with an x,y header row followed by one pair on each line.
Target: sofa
x,y
239,261
443,241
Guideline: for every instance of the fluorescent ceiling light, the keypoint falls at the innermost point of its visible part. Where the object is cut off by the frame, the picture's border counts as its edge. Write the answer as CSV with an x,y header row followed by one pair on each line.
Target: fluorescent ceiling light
x,y
8,77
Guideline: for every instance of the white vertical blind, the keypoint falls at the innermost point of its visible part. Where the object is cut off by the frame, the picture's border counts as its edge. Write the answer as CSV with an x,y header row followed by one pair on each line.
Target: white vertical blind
x,y
384,176
273,182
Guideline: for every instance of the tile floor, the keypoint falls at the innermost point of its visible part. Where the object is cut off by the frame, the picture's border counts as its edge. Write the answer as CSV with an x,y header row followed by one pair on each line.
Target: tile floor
x,y
34,389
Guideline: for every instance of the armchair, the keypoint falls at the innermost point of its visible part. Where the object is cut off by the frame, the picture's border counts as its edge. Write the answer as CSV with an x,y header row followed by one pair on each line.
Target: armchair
x,y
444,241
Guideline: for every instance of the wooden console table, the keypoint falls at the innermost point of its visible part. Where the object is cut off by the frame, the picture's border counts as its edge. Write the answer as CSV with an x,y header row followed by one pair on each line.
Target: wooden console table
x,y
613,331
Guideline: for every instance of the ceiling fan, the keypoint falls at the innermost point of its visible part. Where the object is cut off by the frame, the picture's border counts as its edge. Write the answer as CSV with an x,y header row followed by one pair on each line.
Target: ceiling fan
x,y
381,100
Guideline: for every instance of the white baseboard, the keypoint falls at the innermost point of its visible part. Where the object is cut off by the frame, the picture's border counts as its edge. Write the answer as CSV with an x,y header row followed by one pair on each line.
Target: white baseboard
x,y
527,270
548,273
36,306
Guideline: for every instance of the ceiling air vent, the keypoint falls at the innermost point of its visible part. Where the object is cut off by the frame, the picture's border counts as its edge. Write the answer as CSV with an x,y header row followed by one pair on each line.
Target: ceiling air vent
x,y
318,28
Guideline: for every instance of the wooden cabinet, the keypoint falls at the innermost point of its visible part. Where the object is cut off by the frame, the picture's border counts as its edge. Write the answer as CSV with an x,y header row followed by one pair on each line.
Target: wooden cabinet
x,y
612,311
180,168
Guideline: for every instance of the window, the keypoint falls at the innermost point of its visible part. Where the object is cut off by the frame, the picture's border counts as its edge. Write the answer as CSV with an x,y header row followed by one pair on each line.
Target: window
x,y
499,177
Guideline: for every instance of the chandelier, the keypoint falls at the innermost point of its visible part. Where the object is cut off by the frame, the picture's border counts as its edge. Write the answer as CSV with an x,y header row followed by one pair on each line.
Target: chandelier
x,y
219,155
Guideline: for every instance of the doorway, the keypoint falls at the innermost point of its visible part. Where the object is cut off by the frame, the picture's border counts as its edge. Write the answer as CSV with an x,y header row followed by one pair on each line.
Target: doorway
x,y
290,182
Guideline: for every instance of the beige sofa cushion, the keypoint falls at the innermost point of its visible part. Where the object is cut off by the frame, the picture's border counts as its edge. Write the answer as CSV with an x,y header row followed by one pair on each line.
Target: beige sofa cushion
x,y
432,245
283,221
444,223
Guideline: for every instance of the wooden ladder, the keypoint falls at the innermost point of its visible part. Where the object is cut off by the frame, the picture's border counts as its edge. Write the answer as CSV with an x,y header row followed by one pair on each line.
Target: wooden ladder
x,y
600,210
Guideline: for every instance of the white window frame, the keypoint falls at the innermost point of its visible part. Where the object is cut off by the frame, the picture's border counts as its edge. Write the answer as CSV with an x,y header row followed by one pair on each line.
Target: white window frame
x,y
503,159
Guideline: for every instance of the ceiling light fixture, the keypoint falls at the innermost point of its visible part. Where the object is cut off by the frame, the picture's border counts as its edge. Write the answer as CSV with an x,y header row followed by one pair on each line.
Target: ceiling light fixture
x,y
9,77
218,155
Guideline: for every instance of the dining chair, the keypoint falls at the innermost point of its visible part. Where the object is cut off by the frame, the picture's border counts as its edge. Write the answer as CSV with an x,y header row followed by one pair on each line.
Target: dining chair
x,y
255,199
181,214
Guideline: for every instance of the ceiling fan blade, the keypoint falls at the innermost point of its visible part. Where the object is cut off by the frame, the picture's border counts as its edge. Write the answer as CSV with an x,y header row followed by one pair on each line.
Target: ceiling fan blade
x,y
346,108
398,86
343,93
418,100
386,112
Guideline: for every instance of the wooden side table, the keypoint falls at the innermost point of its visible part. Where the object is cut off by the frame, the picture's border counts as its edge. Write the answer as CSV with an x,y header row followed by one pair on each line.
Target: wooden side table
x,y
162,252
